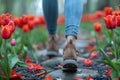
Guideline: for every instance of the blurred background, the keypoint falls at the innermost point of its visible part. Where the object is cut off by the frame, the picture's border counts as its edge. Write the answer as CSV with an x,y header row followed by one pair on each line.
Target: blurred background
x,y
93,12
20,7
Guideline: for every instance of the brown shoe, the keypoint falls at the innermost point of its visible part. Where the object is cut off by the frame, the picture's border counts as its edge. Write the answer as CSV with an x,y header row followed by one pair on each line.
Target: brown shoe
x,y
52,47
70,57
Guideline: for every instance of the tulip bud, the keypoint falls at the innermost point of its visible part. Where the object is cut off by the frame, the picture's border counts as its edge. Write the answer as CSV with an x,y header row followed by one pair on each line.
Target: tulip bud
x,y
13,42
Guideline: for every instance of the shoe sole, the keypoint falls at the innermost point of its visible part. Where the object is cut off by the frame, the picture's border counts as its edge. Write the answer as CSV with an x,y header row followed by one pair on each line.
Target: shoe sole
x,y
52,53
70,65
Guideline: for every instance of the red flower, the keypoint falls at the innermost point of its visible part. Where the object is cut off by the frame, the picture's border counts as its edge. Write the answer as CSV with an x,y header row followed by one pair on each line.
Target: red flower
x,y
37,21
30,66
90,47
118,20
108,73
11,26
61,20
48,78
93,54
78,79
33,66
4,19
25,28
116,13
42,20
24,19
87,62
31,17
6,32
89,78
27,60
99,14
38,67
19,22
15,76
31,25
108,10
110,21
97,27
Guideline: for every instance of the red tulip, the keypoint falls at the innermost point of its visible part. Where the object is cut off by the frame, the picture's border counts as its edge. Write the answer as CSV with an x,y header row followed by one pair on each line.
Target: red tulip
x,y
110,21
37,21
108,10
90,47
4,19
61,20
25,28
31,25
97,27
5,32
116,13
19,22
24,19
99,14
11,26
87,62
31,17
118,20
42,20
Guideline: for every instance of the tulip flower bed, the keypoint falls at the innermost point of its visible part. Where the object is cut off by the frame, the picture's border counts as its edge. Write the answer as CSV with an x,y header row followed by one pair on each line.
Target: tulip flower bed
x,y
19,61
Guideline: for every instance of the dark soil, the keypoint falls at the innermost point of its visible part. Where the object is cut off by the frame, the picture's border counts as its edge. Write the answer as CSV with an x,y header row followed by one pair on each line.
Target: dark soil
x,y
30,75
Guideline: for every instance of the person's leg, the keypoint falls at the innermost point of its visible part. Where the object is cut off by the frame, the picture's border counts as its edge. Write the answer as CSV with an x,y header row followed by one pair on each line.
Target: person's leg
x,y
50,10
73,13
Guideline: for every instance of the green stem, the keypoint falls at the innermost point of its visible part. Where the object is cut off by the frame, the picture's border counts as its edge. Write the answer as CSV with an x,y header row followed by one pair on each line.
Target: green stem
x,y
13,50
1,49
5,52
114,44
96,40
6,60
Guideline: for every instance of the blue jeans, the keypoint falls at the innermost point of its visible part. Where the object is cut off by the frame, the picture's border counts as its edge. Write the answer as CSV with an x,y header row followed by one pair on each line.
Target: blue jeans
x,y
72,11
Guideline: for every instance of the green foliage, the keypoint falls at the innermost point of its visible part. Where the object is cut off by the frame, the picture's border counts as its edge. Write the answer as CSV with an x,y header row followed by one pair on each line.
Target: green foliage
x,y
112,41
8,60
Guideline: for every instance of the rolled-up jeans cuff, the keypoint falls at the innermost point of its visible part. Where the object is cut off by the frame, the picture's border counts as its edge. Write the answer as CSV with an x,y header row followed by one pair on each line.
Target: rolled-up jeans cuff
x,y
71,30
